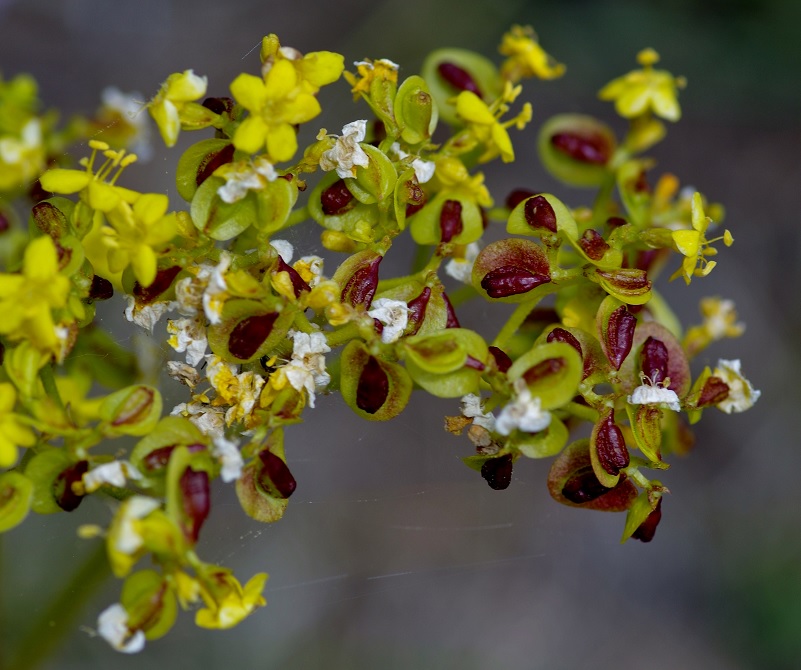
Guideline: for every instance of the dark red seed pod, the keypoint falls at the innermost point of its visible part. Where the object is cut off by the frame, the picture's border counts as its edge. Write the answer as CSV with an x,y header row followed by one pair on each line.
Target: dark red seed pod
x,y
211,161
593,244
361,287
5,222
540,214
619,335
101,289
65,497
417,310
379,327
474,363
195,500
274,475
159,458
452,321
616,221
562,335
298,284
715,390
610,445
543,369
450,220
163,281
583,486
511,280
647,529
459,78
502,360
586,147
337,199
517,196
497,472
654,360
219,105
373,388
249,334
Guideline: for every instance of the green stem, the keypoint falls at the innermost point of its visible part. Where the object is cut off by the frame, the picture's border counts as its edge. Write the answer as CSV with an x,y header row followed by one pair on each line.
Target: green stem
x,y
514,322
337,338
295,217
600,207
59,618
49,383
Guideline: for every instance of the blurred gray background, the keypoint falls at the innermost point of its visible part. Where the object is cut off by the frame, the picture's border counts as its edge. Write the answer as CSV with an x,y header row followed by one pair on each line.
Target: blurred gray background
x,y
394,555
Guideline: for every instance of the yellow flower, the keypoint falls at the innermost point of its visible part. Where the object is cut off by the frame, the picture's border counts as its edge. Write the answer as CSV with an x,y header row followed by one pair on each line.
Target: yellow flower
x,y
97,189
482,122
26,299
694,246
276,104
176,93
453,175
13,434
136,232
238,391
315,70
227,603
526,57
369,70
647,90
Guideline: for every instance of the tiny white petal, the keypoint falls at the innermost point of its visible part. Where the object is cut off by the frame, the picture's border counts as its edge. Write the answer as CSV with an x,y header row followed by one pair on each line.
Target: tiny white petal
x,y
346,154
214,295
112,626
147,316
115,473
423,170
188,335
285,250
646,394
523,412
228,454
742,395
471,408
394,314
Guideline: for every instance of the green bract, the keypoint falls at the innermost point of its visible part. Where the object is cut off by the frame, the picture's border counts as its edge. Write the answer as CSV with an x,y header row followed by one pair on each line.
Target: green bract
x,y
551,371
134,410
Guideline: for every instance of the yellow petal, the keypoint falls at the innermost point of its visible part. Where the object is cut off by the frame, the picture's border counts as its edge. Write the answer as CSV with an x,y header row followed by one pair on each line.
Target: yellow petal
x,y
281,80
8,396
688,242
282,143
473,109
41,259
322,67
249,92
103,197
186,86
60,180
143,261
251,135
150,207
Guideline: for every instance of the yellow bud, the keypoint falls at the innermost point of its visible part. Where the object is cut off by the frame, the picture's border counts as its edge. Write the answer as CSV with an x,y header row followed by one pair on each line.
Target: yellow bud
x,y
334,240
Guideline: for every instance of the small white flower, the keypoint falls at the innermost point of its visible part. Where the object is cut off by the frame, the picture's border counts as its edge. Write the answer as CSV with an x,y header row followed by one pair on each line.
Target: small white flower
x,y
245,176
208,418
285,250
188,335
239,391
423,170
523,412
346,153
112,626
114,473
227,452
394,314
461,269
370,65
306,370
720,318
653,394
15,151
127,539
471,408
181,372
742,395
147,316
216,290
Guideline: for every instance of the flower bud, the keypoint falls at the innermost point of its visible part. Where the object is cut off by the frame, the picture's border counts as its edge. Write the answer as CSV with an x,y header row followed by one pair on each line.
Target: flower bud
x,y
414,110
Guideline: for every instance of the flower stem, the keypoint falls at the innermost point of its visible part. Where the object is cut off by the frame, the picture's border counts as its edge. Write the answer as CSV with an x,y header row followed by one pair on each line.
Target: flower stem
x,y
58,619
514,322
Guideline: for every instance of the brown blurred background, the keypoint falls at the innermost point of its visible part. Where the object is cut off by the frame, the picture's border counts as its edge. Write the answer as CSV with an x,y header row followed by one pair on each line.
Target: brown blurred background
x,y
392,554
